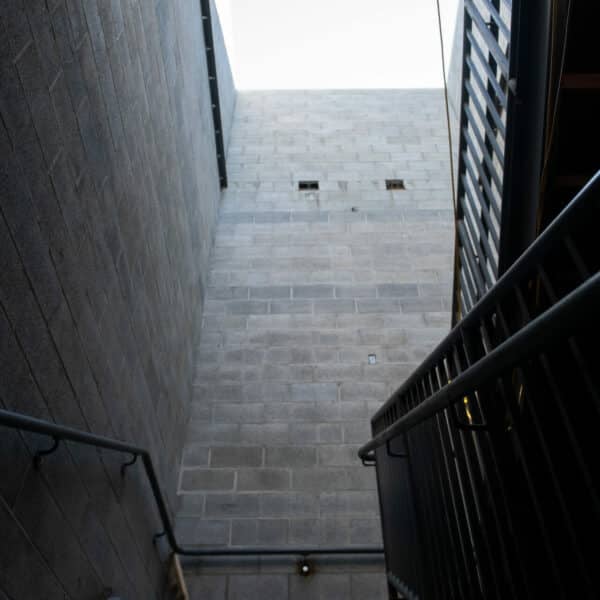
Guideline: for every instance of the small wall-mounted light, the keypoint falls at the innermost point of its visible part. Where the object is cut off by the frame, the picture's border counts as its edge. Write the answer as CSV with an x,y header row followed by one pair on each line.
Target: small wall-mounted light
x,y
372,358
304,568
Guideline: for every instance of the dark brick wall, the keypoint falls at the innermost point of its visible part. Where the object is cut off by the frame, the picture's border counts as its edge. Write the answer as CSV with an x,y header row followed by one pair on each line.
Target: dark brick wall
x,y
109,192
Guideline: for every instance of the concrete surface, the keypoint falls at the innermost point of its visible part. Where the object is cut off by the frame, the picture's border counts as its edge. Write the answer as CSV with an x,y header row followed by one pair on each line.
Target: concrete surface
x,y
303,287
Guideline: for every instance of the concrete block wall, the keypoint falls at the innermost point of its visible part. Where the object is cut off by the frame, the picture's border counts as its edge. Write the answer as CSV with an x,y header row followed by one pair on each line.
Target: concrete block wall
x,y
108,199
259,579
303,287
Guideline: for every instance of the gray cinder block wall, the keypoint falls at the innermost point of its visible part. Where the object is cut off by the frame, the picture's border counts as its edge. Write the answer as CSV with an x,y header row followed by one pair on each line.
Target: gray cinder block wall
x,y
303,287
109,195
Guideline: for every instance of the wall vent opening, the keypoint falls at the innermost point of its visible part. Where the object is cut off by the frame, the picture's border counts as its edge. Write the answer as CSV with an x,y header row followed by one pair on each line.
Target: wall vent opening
x,y
394,184
308,185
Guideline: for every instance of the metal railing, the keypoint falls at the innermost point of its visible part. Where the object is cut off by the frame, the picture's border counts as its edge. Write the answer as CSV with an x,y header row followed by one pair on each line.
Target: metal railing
x,y
61,433
486,457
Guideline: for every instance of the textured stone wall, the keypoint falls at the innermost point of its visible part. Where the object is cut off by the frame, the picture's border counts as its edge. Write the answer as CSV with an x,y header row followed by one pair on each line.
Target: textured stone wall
x,y
109,193
303,287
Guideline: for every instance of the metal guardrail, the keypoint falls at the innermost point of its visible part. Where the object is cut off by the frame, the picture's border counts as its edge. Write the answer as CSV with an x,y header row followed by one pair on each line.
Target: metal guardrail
x,y
389,414
61,433
486,456
561,319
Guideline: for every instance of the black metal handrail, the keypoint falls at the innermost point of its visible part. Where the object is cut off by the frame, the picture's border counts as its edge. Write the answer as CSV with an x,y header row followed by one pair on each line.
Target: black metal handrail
x,y
62,433
549,326
486,457
529,338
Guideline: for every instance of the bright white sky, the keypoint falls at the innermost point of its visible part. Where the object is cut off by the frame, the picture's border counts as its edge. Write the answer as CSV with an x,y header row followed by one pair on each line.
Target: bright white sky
x,y
325,44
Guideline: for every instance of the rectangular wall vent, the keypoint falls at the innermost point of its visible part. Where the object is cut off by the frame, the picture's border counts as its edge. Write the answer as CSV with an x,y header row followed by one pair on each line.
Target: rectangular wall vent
x,y
394,184
308,185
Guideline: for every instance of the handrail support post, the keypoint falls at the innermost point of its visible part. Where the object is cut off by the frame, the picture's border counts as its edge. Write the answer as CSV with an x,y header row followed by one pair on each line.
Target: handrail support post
x,y
39,455
157,536
127,464
391,453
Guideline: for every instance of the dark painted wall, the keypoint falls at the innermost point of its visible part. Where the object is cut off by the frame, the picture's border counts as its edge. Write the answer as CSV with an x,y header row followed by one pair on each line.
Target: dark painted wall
x,y
108,197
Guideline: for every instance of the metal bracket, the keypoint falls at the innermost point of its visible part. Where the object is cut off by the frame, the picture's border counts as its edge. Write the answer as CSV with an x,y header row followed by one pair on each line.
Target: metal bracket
x,y
392,454
128,464
369,460
37,458
467,426
157,536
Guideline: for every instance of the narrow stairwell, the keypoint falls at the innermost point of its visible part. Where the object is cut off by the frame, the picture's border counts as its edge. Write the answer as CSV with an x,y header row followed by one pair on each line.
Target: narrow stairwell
x,y
319,302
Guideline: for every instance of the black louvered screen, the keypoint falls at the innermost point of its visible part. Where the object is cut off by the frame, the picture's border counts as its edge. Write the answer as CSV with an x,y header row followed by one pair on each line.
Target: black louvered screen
x,y
485,91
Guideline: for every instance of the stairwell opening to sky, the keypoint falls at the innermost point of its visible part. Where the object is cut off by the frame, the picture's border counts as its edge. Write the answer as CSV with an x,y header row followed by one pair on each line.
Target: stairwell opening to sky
x,y
320,302
336,44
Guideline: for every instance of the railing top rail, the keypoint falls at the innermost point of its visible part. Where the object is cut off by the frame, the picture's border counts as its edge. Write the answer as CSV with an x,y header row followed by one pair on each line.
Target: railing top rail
x,y
62,433
568,312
